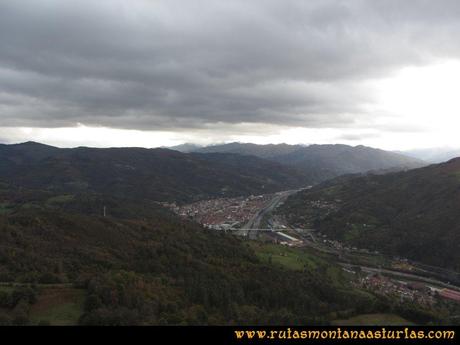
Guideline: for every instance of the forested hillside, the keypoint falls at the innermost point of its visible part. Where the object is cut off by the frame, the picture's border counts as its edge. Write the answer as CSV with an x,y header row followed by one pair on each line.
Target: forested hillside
x,y
141,265
154,174
413,214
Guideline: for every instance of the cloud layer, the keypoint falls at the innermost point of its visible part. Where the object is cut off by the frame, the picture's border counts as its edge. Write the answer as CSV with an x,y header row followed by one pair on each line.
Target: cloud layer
x,y
178,65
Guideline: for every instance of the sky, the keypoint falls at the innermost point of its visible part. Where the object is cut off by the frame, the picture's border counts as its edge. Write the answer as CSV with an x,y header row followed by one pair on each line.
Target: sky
x,y
164,72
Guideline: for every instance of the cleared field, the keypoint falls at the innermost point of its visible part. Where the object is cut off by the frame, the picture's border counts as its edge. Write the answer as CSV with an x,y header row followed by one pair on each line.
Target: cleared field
x,y
58,306
290,258
60,199
5,208
302,259
374,320
5,288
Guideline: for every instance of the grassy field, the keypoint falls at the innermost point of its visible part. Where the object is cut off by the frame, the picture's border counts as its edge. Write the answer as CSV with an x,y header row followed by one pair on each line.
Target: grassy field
x,y
4,288
60,199
5,208
300,259
58,306
373,319
290,258
311,260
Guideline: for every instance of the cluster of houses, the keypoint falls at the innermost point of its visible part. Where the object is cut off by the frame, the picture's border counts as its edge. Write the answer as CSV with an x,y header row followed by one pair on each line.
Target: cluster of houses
x,y
406,291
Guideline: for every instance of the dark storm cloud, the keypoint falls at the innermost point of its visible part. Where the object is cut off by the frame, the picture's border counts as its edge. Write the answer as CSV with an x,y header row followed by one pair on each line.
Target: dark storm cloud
x,y
184,64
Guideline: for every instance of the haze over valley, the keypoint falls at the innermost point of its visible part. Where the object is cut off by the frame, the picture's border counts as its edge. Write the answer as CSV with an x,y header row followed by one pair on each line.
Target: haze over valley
x,y
229,163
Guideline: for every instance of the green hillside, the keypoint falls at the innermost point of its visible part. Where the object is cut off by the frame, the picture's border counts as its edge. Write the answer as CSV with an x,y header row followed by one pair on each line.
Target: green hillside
x,y
154,174
141,265
414,214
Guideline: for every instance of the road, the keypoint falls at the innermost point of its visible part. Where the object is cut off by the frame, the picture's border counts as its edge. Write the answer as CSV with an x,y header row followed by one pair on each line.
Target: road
x,y
432,278
254,222
403,275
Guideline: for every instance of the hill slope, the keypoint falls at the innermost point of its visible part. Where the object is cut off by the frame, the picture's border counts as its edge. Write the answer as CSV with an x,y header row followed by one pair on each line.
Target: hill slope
x,y
413,214
141,265
322,162
155,174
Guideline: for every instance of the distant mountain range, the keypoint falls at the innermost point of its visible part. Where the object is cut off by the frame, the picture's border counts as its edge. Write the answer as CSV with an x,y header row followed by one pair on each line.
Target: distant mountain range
x,y
322,162
413,214
433,155
270,151
154,174
185,148
168,175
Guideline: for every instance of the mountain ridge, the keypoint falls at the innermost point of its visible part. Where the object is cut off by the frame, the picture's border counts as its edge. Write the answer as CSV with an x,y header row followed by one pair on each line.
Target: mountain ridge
x,y
322,162
157,174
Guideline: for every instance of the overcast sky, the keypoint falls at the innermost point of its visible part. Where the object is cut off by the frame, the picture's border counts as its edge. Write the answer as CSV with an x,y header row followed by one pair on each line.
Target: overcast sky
x,y
152,73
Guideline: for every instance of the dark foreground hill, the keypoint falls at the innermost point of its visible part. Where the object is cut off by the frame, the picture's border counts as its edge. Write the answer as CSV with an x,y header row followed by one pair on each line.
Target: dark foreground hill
x,y
322,162
154,174
141,265
412,214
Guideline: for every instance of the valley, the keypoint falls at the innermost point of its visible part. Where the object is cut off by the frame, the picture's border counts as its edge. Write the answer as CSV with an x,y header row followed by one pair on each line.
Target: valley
x,y
245,216
266,164
395,278
137,236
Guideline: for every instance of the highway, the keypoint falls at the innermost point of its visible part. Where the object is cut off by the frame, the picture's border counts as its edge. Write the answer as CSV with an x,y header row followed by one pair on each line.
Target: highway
x,y
252,228
254,222
404,275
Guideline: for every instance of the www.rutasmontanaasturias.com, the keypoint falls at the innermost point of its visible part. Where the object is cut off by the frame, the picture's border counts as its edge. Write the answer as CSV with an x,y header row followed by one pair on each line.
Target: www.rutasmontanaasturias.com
x,y
340,333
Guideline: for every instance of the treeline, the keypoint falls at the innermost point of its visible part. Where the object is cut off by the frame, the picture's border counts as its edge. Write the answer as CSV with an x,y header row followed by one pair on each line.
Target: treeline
x,y
15,303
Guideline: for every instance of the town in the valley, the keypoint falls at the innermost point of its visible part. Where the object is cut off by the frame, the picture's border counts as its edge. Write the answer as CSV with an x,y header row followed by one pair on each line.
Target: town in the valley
x,y
252,217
